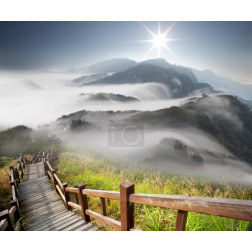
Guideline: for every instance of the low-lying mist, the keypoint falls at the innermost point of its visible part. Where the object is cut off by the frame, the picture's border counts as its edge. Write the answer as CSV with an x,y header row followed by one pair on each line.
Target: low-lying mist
x,y
40,98
200,155
36,98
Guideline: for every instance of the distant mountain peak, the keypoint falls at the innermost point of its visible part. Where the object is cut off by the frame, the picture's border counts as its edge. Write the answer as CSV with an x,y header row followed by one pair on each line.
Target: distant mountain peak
x,y
112,65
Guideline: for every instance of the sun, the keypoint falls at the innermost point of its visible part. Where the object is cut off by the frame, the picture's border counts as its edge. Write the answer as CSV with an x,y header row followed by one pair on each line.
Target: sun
x,y
159,40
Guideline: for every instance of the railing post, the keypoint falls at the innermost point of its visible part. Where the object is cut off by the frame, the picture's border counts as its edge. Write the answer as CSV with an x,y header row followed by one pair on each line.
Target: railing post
x,y
67,197
181,220
127,208
17,178
103,205
17,213
5,215
21,168
12,183
83,202
45,166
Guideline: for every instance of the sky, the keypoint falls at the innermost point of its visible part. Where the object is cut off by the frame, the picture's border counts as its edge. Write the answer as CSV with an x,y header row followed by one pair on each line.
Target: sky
x,y
224,47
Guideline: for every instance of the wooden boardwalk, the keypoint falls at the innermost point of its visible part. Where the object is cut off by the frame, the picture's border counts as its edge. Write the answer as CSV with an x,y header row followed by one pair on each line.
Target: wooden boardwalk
x,y
41,206
47,203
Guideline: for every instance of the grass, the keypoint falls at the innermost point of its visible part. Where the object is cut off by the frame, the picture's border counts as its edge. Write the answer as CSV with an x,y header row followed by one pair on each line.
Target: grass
x,y
5,189
100,173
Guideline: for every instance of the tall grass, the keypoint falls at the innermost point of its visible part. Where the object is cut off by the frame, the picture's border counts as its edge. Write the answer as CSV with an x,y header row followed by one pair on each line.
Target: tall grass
x,y
5,189
100,173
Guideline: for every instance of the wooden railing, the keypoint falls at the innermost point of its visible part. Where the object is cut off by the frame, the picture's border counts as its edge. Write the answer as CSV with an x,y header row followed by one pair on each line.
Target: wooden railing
x,y
231,208
7,216
10,219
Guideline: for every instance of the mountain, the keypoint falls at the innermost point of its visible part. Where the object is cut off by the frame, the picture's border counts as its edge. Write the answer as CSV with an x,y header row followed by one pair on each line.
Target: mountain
x,y
163,63
223,117
31,85
180,85
108,97
225,85
87,78
247,102
112,65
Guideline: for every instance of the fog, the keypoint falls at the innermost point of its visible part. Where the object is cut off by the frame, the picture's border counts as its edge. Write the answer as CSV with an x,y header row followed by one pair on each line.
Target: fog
x,y
219,164
40,98
36,98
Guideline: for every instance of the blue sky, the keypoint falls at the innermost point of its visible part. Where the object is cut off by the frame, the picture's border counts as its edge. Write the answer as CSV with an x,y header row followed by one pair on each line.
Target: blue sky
x,y
225,47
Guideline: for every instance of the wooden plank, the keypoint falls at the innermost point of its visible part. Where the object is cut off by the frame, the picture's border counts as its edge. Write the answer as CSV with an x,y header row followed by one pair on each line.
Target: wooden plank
x,y
45,214
50,218
33,195
50,175
76,225
53,217
12,211
38,196
35,219
127,209
39,200
58,181
82,199
36,189
103,206
104,219
103,194
61,194
44,178
35,185
67,196
5,215
31,206
47,207
74,205
49,166
61,225
54,222
71,189
94,228
43,210
25,195
231,208
181,220
18,227
3,224
85,227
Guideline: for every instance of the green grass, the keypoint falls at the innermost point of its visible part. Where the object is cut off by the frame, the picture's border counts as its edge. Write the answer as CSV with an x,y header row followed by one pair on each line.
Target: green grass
x,y
100,173
5,189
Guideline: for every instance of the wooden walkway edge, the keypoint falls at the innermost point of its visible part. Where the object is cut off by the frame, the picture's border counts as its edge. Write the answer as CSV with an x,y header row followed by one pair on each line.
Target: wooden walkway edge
x,y
42,208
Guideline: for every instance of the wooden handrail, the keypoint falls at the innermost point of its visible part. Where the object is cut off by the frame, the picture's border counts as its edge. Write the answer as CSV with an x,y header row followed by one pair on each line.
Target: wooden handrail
x,y
71,189
232,208
111,222
49,166
60,193
12,211
58,181
74,205
3,224
103,194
